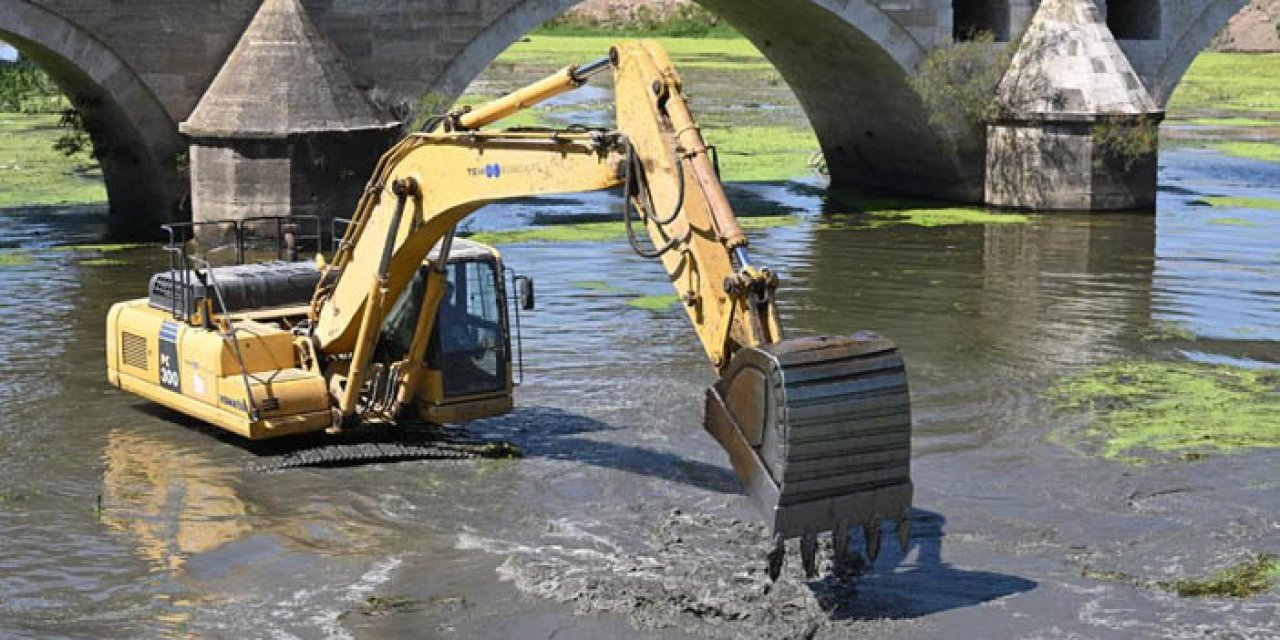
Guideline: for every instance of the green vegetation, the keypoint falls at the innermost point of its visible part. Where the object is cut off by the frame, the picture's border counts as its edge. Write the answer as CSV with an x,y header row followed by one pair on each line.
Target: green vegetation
x,y
578,232
1243,580
33,173
689,21
103,262
722,54
654,303
1249,578
1226,123
1126,140
1233,222
10,497
1229,82
1166,331
759,154
600,231
646,302
14,258
104,248
1185,410
886,211
597,286
383,605
527,118
46,156
1234,202
1252,150
26,89
957,83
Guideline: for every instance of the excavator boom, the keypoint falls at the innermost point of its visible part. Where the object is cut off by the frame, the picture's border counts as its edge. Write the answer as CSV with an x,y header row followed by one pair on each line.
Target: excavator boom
x,y
818,429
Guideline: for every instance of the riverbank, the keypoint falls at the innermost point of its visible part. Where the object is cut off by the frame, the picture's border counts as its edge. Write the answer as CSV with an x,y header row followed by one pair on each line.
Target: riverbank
x,y
34,174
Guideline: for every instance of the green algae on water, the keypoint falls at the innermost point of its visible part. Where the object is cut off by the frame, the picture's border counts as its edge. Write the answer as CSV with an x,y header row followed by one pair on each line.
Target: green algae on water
x,y
887,211
762,153
596,285
1166,331
374,606
654,303
104,248
14,258
1142,411
602,231
103,262
1239,202
1233,222
1250,150
1243,580
578,232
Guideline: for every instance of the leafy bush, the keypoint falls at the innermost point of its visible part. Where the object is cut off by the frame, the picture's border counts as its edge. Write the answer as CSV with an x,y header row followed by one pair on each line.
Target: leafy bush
x,y
1125,139
957,83
24,88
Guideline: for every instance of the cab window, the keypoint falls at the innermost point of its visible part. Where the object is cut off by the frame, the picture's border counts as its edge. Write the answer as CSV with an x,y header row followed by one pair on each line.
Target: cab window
x,y
469,345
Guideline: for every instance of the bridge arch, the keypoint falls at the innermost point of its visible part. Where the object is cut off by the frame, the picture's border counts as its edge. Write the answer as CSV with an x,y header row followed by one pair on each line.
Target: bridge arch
x,y
848,63
135,139
1182,47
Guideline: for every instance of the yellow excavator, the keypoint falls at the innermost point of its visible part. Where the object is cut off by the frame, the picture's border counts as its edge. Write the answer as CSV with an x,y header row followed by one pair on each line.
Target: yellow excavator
x,y
406,324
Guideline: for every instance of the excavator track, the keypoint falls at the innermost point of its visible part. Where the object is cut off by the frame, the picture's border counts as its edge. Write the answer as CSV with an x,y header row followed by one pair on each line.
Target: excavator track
x,y
383,446
819,430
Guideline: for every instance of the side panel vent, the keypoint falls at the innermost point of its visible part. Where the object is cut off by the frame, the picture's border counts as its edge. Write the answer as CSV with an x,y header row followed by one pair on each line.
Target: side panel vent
x,y
133,351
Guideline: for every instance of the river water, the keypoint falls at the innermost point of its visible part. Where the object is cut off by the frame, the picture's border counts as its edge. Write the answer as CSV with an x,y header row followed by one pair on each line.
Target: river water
x,y
118,519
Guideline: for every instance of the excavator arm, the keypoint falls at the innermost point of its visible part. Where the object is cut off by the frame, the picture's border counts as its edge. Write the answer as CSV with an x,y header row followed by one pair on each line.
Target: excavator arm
x,y
818,429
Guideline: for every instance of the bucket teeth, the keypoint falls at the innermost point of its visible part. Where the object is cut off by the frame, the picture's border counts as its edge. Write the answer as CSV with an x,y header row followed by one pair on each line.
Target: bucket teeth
x,y
840,544
809,554
777,557
819,432
872,533
904,533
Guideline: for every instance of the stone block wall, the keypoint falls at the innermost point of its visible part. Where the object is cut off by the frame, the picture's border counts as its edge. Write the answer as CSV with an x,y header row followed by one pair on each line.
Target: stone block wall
x,y
1059,166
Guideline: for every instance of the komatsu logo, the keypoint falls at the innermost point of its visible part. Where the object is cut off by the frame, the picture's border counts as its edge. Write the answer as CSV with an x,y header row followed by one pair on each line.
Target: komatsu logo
x,y
488,171
234,403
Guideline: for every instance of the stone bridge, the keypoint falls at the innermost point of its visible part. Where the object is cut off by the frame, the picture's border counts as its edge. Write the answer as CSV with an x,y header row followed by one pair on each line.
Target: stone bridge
x,y
140,68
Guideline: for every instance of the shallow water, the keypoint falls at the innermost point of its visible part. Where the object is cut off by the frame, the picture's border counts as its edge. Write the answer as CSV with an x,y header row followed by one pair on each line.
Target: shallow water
x,y
623,519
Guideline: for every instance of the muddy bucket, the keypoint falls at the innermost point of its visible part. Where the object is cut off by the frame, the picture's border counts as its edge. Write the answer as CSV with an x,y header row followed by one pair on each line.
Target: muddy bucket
x,y
819,431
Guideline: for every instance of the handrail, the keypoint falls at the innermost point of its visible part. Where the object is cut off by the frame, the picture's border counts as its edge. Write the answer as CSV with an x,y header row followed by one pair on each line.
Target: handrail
x,y
254,414
287,239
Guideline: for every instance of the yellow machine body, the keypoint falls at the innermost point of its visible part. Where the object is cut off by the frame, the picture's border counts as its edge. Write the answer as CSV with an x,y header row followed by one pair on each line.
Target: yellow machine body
x,y
263,384
195,371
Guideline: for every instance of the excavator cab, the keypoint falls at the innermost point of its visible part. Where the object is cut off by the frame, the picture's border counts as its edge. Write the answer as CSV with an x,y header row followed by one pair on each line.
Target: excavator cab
x,y
468,364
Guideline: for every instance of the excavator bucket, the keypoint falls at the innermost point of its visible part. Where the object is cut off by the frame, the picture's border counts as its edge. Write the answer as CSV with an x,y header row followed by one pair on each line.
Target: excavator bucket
x,y
819,431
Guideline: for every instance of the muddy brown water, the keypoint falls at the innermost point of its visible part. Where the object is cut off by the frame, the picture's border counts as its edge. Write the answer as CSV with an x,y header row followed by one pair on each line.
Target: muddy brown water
x,y
118,519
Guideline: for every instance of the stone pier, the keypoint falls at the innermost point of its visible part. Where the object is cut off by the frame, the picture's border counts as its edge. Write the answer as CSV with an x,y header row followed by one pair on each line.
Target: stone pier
x,y
1076,128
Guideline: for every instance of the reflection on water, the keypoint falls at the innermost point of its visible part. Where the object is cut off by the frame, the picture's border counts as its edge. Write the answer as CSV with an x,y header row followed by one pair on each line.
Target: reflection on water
x,y
170,507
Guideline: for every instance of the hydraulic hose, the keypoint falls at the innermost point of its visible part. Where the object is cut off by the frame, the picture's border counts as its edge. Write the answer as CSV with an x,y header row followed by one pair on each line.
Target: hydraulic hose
x,y
635,178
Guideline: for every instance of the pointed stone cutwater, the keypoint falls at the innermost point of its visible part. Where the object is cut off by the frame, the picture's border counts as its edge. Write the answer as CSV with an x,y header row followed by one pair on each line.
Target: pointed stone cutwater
x,y
284,129
1076,124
